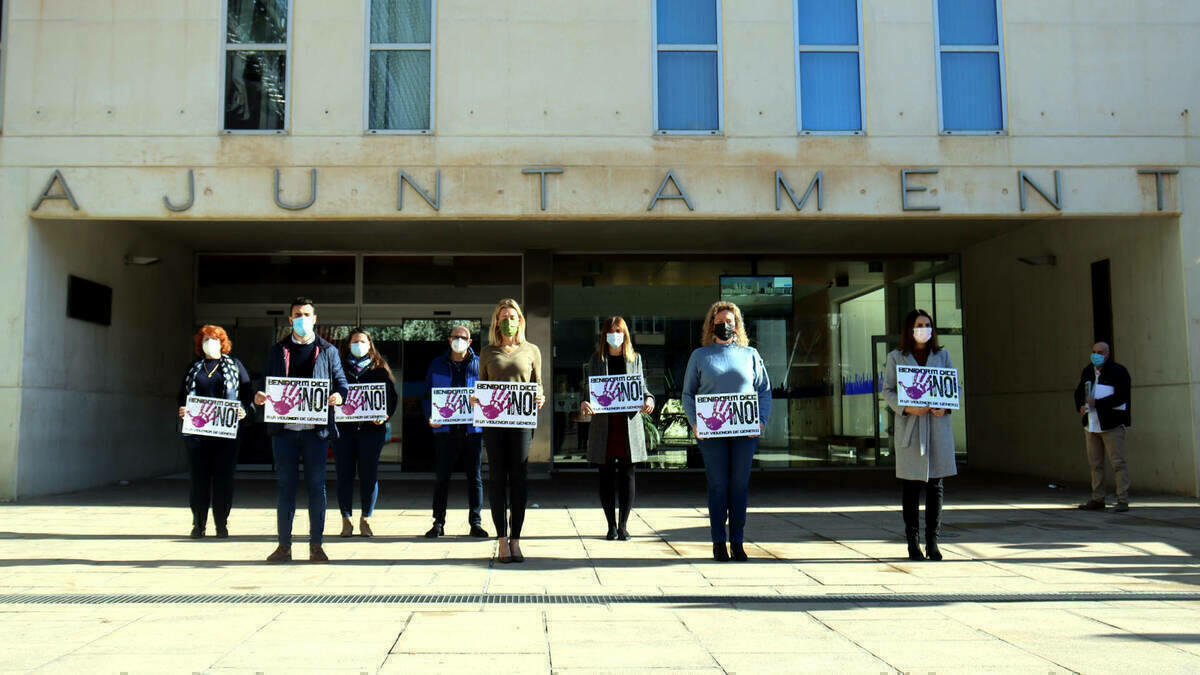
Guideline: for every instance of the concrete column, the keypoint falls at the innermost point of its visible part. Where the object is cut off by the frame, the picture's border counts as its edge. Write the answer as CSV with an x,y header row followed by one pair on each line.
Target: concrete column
x,y
1189,233
538,289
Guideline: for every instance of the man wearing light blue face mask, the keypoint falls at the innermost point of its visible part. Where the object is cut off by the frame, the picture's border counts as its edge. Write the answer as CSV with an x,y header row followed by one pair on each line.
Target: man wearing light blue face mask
x,y
303,354
1102,398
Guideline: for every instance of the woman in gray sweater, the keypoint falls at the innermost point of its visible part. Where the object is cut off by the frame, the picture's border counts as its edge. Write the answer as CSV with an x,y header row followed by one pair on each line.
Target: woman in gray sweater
x,y
616,441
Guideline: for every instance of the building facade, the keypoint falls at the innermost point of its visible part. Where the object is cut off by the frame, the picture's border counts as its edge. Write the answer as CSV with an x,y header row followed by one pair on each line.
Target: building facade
x,y
1018,168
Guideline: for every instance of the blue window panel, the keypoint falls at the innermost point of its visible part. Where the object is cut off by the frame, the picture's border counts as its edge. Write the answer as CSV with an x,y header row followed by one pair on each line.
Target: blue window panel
x,y
827,22
687,91
687,22
967,22
399,90
971,91
396,21
829,94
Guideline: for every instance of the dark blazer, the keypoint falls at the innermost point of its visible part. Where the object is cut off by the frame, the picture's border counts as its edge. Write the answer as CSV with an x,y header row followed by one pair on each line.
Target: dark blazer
x,y
371,376
1114,375
244,394
598,429
440,374
328,365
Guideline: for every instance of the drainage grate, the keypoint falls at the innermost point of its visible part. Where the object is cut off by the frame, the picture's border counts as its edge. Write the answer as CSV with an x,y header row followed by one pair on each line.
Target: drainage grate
x,y
597,599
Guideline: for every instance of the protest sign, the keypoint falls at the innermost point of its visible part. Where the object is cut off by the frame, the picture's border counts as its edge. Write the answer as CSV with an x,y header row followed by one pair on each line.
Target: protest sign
x,y
927,387
617,393
721,415
506,404
364,403
215,417
451,405
297,400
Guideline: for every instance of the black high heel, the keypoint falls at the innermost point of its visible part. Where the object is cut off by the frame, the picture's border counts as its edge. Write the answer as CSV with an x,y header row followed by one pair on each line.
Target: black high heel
x,y
612,533
931,549
720,553
914,551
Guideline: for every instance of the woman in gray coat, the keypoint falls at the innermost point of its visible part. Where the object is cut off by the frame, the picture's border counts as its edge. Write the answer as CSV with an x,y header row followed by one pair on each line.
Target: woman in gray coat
x,y
616,441
922,437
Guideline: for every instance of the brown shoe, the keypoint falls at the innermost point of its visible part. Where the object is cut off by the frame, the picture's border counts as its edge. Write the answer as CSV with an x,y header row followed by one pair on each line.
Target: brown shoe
x,y
316,554
347,528
364,528
282,554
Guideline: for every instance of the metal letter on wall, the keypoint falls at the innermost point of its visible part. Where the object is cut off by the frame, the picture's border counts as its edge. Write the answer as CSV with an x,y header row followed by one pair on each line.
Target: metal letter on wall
x,y
781,182
670,178
66,193
1023,178
543,173
435,202
191,195
312,197
905,188
1158,188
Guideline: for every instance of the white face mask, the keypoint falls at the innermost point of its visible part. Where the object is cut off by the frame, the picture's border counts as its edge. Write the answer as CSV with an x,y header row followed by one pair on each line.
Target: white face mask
x,y
615,339
211,347
359,349
459,345
922,334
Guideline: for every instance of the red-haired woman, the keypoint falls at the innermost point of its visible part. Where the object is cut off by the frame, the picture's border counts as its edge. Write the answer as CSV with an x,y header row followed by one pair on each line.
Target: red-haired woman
x,y
215,374
616,441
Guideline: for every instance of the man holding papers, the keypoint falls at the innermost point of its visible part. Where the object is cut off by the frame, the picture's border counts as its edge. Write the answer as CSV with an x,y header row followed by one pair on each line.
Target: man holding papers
x,y
1102,398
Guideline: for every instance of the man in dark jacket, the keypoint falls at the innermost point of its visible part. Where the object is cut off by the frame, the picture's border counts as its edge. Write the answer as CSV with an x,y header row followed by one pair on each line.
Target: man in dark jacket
x,y
1103,401
303,354
458,367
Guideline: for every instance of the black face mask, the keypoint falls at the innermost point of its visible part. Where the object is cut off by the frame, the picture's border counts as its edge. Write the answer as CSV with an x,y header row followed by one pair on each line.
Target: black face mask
x,y
724,331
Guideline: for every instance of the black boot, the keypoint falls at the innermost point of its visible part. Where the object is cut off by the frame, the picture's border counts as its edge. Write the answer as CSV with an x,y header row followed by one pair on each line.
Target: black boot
x,y
933,518
622,530
738,553
199,525
720,553
914,551
610,514
931,547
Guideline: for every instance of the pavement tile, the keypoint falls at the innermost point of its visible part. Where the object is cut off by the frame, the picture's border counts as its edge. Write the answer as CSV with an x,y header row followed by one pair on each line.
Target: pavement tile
x,y
407,664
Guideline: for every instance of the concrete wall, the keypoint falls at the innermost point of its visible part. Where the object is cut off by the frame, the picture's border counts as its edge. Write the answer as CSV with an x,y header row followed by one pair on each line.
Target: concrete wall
x,y
97,402
1030,334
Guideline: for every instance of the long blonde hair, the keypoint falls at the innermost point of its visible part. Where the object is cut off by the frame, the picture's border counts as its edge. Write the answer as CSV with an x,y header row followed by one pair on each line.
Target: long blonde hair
x,y
706,337
495,337
615,324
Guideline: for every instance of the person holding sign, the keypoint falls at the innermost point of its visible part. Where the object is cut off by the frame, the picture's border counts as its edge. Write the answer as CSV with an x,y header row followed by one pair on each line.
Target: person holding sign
x,y
508,357
305,380
617,439
210,427
1102,398
727,400
448,384
922,437
359,443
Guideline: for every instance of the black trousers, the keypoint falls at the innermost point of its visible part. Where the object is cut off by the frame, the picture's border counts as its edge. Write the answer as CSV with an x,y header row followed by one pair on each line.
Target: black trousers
x,y
508,459
911,501
450,446
212,462
617,487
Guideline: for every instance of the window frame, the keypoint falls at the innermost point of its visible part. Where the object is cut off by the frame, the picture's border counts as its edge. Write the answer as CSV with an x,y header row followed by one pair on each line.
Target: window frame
x,y
257,47
997,49
5,11
369,47
845,49
718,48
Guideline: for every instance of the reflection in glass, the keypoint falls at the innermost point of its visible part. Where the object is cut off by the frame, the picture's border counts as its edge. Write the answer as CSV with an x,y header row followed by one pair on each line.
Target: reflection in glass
x,y
401,21
256,22
400,89
255,90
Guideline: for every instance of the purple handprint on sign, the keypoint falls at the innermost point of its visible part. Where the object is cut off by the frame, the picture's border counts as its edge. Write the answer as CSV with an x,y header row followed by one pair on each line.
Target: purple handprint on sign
x,y
354,401
208,413
452,403
919,387
291,396
493,409
722,412
608,395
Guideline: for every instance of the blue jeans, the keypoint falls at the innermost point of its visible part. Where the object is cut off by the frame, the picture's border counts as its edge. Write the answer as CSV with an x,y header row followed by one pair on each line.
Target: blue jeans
x,y
358,450
288,447
448,446
727,463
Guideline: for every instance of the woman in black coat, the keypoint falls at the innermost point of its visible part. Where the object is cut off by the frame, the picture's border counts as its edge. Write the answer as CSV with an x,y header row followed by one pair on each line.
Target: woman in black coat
x,y
359,443
213,461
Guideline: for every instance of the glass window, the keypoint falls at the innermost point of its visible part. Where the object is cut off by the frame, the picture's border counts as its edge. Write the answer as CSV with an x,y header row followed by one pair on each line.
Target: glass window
x,y
3,44
687,85
970,65
274,279
436,280
829,66
257,45
400,66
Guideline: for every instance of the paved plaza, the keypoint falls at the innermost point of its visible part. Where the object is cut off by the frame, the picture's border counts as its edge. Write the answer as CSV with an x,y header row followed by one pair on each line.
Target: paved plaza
x,y
107,581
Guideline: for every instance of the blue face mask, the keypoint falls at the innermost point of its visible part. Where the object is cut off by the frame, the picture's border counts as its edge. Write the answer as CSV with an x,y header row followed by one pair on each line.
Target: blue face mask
x,y
1097,359
302,325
